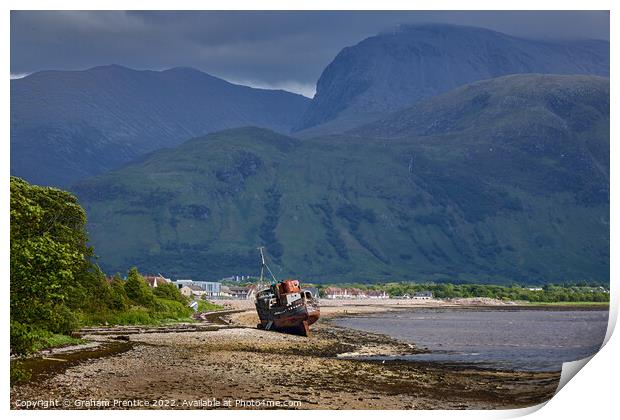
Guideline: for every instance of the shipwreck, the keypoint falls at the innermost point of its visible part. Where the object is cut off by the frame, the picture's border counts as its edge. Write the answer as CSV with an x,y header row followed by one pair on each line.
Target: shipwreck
x,y
284,306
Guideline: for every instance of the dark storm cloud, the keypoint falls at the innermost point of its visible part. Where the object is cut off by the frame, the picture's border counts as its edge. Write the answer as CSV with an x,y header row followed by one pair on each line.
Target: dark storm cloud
x,y
271,49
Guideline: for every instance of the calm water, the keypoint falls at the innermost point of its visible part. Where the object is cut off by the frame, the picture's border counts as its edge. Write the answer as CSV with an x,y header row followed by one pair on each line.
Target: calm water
x,y
503,339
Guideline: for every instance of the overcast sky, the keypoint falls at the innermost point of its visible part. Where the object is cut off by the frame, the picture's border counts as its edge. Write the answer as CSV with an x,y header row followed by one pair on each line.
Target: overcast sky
x,y
286,50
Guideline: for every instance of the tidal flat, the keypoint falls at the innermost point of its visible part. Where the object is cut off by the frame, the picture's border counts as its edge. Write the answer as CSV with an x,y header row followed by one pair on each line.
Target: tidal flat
x,y
236,366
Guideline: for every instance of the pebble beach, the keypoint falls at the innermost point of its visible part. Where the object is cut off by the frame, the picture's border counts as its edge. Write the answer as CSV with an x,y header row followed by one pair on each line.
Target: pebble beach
x,y
236,366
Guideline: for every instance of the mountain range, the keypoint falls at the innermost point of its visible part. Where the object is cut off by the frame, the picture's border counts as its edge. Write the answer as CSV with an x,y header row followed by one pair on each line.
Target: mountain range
x,y
497,181
392,70
69,125
430,152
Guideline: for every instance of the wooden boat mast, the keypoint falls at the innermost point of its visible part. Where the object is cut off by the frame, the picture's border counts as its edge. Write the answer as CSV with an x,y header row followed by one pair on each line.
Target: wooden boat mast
x,y
263,267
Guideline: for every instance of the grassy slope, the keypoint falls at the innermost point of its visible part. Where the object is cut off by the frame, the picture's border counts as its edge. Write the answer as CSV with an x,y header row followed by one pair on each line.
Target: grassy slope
x,y
501,181
46,341
70,125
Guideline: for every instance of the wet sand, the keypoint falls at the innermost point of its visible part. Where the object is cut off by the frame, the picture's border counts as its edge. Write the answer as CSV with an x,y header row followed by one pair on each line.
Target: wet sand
x,y
239,366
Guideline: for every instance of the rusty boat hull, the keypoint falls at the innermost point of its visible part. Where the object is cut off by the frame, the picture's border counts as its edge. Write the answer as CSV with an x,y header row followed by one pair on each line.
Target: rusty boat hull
x,y
285,306
294,319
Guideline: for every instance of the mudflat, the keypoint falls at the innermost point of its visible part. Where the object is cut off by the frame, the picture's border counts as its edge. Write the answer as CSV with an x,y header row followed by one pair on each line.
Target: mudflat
x,y
238,366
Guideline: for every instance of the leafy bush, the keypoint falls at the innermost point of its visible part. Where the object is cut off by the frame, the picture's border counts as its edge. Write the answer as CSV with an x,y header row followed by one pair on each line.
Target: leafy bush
x,y
170,310
118,296
49,256
22,338
55,287
169,291
204,306
138,291
19,372
582,292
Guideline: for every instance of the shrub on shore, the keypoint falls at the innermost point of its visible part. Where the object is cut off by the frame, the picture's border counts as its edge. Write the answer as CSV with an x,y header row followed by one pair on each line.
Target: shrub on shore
x,y
204,306
580,292
138,290
55,285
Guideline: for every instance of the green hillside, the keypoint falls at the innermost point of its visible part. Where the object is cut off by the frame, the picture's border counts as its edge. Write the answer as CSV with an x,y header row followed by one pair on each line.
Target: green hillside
x,y
499,181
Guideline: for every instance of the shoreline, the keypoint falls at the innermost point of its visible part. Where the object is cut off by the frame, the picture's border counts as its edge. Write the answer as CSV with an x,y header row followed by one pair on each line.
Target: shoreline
x,y
237,361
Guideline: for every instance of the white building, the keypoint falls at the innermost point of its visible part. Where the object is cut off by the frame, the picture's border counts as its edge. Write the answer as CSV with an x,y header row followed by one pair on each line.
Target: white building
x,y
425,295
210,289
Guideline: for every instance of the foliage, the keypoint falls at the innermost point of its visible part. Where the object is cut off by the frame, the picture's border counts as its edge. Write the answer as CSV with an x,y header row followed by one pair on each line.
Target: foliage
x,y
169,291
56,287
49,261
48,340
138,291
581,292
205,306
19,373
118,296
168,310
461,203
163,311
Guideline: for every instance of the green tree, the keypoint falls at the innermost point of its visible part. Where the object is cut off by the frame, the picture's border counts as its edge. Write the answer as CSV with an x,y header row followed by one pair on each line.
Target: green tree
x,y
138,291
55,285
169,291
118,296
49,255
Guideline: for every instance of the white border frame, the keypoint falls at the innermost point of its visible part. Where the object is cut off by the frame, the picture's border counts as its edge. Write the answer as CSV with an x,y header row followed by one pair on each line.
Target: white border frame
x,y
591,395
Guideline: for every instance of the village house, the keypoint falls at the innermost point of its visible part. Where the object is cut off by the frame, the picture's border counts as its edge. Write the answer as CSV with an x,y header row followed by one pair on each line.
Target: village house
x,y
238,292
236,278
208,289
377,294
211,289
197,290
157,280
190,290
225,292
424,295
181,283
185,291
344,293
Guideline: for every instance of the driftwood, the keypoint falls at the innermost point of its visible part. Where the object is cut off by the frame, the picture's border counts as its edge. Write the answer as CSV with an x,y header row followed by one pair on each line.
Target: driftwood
x,y
126,330
208,321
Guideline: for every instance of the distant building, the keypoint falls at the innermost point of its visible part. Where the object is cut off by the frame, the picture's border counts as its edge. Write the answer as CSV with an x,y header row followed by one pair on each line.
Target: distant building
x,y
344,293
197,290
185,291
209,289
155,281
377,294
236,278
425,295
190,290
225,292
181,283
335,293
247,292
